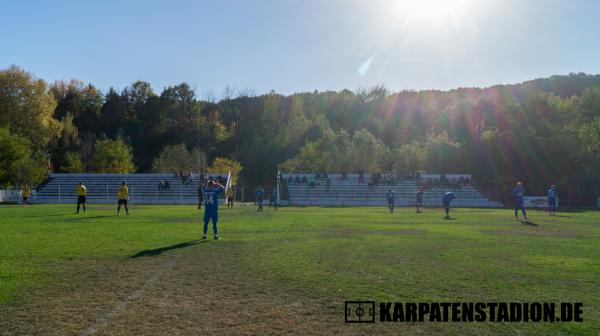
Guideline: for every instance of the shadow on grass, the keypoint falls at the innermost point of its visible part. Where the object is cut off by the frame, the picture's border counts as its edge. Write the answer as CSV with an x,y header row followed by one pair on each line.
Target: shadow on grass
x,y
52,215
563,216
449,218
94,217
154,252
528,222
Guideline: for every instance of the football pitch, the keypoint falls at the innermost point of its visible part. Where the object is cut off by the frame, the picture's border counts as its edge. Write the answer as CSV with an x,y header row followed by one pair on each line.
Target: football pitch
x,y
288,271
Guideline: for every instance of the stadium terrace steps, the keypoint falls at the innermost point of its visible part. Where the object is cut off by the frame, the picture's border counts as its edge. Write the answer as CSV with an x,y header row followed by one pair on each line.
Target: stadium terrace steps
x,y
102,189
349,191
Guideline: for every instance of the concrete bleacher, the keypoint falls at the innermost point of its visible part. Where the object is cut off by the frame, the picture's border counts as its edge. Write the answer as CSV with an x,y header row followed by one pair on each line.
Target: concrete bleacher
x,y
102,188
349,191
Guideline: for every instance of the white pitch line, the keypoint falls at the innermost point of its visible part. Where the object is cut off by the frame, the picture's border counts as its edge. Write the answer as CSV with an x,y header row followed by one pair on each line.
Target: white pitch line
x,y
105,319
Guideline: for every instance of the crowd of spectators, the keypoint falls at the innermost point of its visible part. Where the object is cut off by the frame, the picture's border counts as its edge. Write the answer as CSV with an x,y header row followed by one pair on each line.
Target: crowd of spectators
x,y
187,178
443,181
311,180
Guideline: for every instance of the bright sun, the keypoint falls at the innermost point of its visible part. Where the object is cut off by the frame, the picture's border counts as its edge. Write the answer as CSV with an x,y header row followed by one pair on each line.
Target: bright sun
x,y
432,12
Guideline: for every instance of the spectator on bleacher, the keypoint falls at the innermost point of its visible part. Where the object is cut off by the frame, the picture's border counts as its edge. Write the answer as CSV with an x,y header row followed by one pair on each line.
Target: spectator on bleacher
x,y
361,177
290,179
161,185
297,180
304,179
318,176
325,176
457,186
167,185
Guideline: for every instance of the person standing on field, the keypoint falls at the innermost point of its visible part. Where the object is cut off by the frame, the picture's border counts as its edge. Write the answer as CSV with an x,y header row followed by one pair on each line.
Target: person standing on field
x,y
26,194
123,195
211,206
518,196
446,200
391,199
81,192
552,200
273,198
229,195
420,199
260,196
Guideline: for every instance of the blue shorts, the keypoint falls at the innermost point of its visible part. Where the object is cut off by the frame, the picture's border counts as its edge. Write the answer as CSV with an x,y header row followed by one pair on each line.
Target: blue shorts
x,y
211,214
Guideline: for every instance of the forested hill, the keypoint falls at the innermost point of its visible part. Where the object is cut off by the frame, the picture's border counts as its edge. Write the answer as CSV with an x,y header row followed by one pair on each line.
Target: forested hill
x,y
544,130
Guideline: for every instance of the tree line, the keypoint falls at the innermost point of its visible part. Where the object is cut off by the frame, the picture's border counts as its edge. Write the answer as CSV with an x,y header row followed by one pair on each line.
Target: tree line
x,y
541,131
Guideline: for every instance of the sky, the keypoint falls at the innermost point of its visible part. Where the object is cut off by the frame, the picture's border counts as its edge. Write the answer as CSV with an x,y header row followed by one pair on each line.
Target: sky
x,y
296,46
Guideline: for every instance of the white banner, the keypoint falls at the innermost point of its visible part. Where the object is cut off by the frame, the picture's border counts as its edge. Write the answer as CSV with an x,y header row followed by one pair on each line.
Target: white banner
x,y
536,201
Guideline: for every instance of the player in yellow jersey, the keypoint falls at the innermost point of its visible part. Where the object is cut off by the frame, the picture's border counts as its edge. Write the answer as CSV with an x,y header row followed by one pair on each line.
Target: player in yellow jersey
x,y
123,196
81,192
26,194
229,195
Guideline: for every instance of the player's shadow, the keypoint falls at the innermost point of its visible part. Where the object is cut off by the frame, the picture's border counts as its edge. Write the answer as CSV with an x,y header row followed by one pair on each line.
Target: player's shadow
x,y
52,215
528,222
563,216
93,217
155,252
449,218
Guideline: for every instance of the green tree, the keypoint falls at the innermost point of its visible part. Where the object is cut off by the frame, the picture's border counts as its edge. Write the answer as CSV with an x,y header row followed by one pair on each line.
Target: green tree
x,y
72,163
18,162
177,158
409,158
112,156
223,165
27,108
440,153
368,153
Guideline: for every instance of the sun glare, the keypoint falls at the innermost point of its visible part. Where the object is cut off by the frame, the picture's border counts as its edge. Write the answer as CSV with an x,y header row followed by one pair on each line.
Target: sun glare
x,y
432,12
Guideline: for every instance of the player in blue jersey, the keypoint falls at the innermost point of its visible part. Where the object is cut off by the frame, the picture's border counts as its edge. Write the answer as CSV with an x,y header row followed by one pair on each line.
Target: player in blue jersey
x,y
552,200
446,200
391,199
273,198
420,199
260,196
211,206
518,194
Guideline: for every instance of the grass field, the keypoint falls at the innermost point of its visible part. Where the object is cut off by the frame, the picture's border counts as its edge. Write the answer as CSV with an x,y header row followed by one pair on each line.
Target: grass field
x,y
287,271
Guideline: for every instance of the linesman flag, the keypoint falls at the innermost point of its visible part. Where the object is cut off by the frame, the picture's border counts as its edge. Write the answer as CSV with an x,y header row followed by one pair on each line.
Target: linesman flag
x,y
228,184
